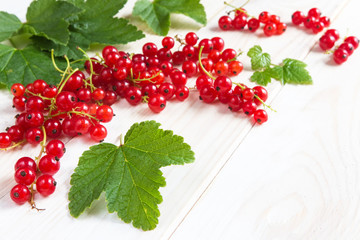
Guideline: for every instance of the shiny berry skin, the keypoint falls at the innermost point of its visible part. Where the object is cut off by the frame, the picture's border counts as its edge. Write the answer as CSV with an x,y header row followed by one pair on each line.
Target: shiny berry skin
x,y
182,93
121,87
269,29
133,95
208,65
314,12
20,194
274,18
203,80
104,113
298,17
260,116
83,94
39,85
67,126
235,103
110,98
52,128
228,54
45,185
334,33
325,20
348,47
206,44
222,84
49,165
239,22
225,23
178,57
168,42
235,67
208,94
25,176
280,28
167,90
19,102
317,27
248,94
262,93
340,55
218,43
189,68
178,78
309,21
17,89
55,148
50,91
34,118
157,103
65,101
221,68
16,133
253,24
35,103
98,132
25,162
82,125
149,90
264,17
107,50
98,94
191,38
34,135
149,49
326,42
249,107
95,64
74,82
111,59
5,140
353,40
166,67
225,96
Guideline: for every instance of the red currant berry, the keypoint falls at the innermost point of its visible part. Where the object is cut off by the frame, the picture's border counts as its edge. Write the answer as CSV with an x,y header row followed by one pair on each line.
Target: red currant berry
x,y
121,87
149,49
25,176
34,135
340,55
249,107
225,23
207,45
19,102
107,50
53,128
228,54
314,12
133,95
17,89
334,33
221,68
20,194
248,94
225,96
50,91
34,118
45,185
16,133
269,29
35,103
168,42
49,165
203,80
189,68
218,43
98,132
274,18
235,103
208,94
67,126
298,17
261,93
235,68
110,97
326,42
214,55
157,103
178,57
325,20
239,22
260,116
280,28
83,94
112,58
191,38
167,90
5,140
317,27
74,82
82,125
309,21
253,24
55,148
182,93
264,17
353,40
178,78
98,94
65,101
104,113
25,162
39,85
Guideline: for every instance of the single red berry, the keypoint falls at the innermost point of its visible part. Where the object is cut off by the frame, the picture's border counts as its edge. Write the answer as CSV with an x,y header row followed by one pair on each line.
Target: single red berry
x,y
65,101
25,176
348,47
166,67
16,133
98,94
178,78
167,90
317,27
298,17
53,128
19,102
189,68
50,91
26,162
45,185
83,94
191,38
264,17
133,95
208,94
239,22
110,97
17,89
340,55
325,20
235,103
274,18
280,28
228,54
327,41
309,21
235,68
253,24
225,23
149,89
74,82
248,94
314,12
149,49
334,33
35,103
108,49
207,45
34,135
218,43
67,126
224,97
182,93
20,194
221,68
178,57
269,29
82,125
48,164
260,116
164,54
249,107
55,148
34,118
104,113
214,55
157,103
203,80
353,40
262,93
39,85
98,132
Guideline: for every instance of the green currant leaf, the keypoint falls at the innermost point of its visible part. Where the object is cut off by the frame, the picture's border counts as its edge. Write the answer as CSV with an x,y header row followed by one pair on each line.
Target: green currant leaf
x,y
259,60
157,13
261,78
9,24
129,174
48,18
294,72
26,65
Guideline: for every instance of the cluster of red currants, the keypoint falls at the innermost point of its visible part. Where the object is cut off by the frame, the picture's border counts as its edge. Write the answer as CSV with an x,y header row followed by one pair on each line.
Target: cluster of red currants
x,y
158,75
313,20
271,23
341,52
29,172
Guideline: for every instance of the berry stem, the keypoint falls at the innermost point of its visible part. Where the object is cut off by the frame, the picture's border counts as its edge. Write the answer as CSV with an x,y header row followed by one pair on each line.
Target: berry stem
x,y
240,8
13,146
62,83
202,67
54,63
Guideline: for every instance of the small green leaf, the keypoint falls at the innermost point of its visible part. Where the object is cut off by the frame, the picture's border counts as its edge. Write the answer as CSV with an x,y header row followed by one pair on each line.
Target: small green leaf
x,y
26,65
261,78
259,60
157,13
47,18
276,72
9,24
294,72
130,174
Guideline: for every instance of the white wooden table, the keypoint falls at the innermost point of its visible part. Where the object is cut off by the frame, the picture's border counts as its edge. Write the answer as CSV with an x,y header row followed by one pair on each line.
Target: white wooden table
x,y
295,177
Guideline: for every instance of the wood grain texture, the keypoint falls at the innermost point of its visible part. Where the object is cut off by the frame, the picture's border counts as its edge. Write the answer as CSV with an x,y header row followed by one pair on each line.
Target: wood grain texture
x,y
295,177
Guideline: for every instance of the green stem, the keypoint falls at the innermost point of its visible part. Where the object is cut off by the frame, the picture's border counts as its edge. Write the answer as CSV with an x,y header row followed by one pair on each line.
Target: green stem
x,y
202,67
54,63
62,83
240,8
